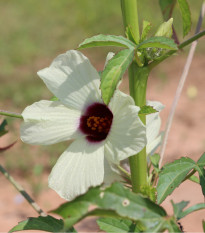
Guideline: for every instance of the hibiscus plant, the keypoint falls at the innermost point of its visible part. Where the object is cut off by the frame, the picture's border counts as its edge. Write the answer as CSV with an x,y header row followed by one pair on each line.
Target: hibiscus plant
x,y
111,163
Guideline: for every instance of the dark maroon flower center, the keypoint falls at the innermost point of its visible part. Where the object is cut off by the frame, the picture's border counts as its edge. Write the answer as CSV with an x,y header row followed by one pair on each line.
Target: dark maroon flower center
x,y
96,122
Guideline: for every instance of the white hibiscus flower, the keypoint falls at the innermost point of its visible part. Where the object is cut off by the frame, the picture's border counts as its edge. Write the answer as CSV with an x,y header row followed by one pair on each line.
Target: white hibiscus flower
x,y
103,135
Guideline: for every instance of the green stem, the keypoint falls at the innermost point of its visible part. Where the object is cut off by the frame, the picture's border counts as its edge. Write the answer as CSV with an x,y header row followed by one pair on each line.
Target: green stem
x,y
130,17
138,163
191,39
10,114
138,85
181,46
189,175
127,174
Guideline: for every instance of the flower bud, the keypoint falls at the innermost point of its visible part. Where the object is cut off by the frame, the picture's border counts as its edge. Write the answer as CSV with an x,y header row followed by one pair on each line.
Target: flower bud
x,y
165,29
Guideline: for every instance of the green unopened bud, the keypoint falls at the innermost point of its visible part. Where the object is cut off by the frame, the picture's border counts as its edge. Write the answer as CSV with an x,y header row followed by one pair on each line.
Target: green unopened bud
x,y
165,29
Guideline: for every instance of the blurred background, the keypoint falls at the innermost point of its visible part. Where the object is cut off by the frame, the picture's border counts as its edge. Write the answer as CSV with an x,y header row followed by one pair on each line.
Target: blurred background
x,y
34,32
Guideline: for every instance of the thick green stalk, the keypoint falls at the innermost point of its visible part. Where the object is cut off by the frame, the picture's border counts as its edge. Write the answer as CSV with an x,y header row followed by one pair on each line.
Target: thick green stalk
x,y
138,163
138,85
130,17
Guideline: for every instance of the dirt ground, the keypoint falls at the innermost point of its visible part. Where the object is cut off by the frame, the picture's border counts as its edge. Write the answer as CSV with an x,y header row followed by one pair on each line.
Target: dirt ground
x,y
187,138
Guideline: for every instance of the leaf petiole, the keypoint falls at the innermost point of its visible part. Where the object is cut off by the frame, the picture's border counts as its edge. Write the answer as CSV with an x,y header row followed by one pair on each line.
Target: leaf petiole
x,y
10,114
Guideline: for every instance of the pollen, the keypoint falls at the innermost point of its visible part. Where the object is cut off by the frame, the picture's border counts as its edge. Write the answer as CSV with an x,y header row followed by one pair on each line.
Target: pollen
x,y
100,124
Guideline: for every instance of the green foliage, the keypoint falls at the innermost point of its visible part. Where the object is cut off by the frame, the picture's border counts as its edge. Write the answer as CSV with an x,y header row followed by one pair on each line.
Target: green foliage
x,y
158,42
118,202
146,110
178,208
201,171
3,130
191,209
194,179
167,7
113,72
106,40
149,191
171,225
172,175
175,173
130,35
146,27
47,223
179,211
165,29
117,225
203,224
186,16
155,158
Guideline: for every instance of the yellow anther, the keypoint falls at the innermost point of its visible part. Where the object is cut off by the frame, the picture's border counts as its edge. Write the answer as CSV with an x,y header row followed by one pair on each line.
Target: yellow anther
x,y
101,124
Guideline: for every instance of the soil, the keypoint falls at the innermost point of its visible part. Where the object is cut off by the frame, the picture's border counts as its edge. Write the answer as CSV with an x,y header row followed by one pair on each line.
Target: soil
x,y
186,138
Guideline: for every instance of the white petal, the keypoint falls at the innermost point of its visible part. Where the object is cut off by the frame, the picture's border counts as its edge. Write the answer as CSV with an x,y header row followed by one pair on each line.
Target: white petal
x,y
153,121
152,146
112,173
73,80
119,101
127,135
48,122
78,168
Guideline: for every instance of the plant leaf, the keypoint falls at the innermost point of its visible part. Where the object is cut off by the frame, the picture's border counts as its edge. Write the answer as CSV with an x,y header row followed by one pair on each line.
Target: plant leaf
x,y
114,201
178,208
186,16
146,110
165,29
179,211
172,175
116,225
201,171
202,179
106,40
172,226
47,223
155,160
3,128
75,210
194,178
145,30
201,161
130,35
192,209
167,7
203,224
158,42
113,72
